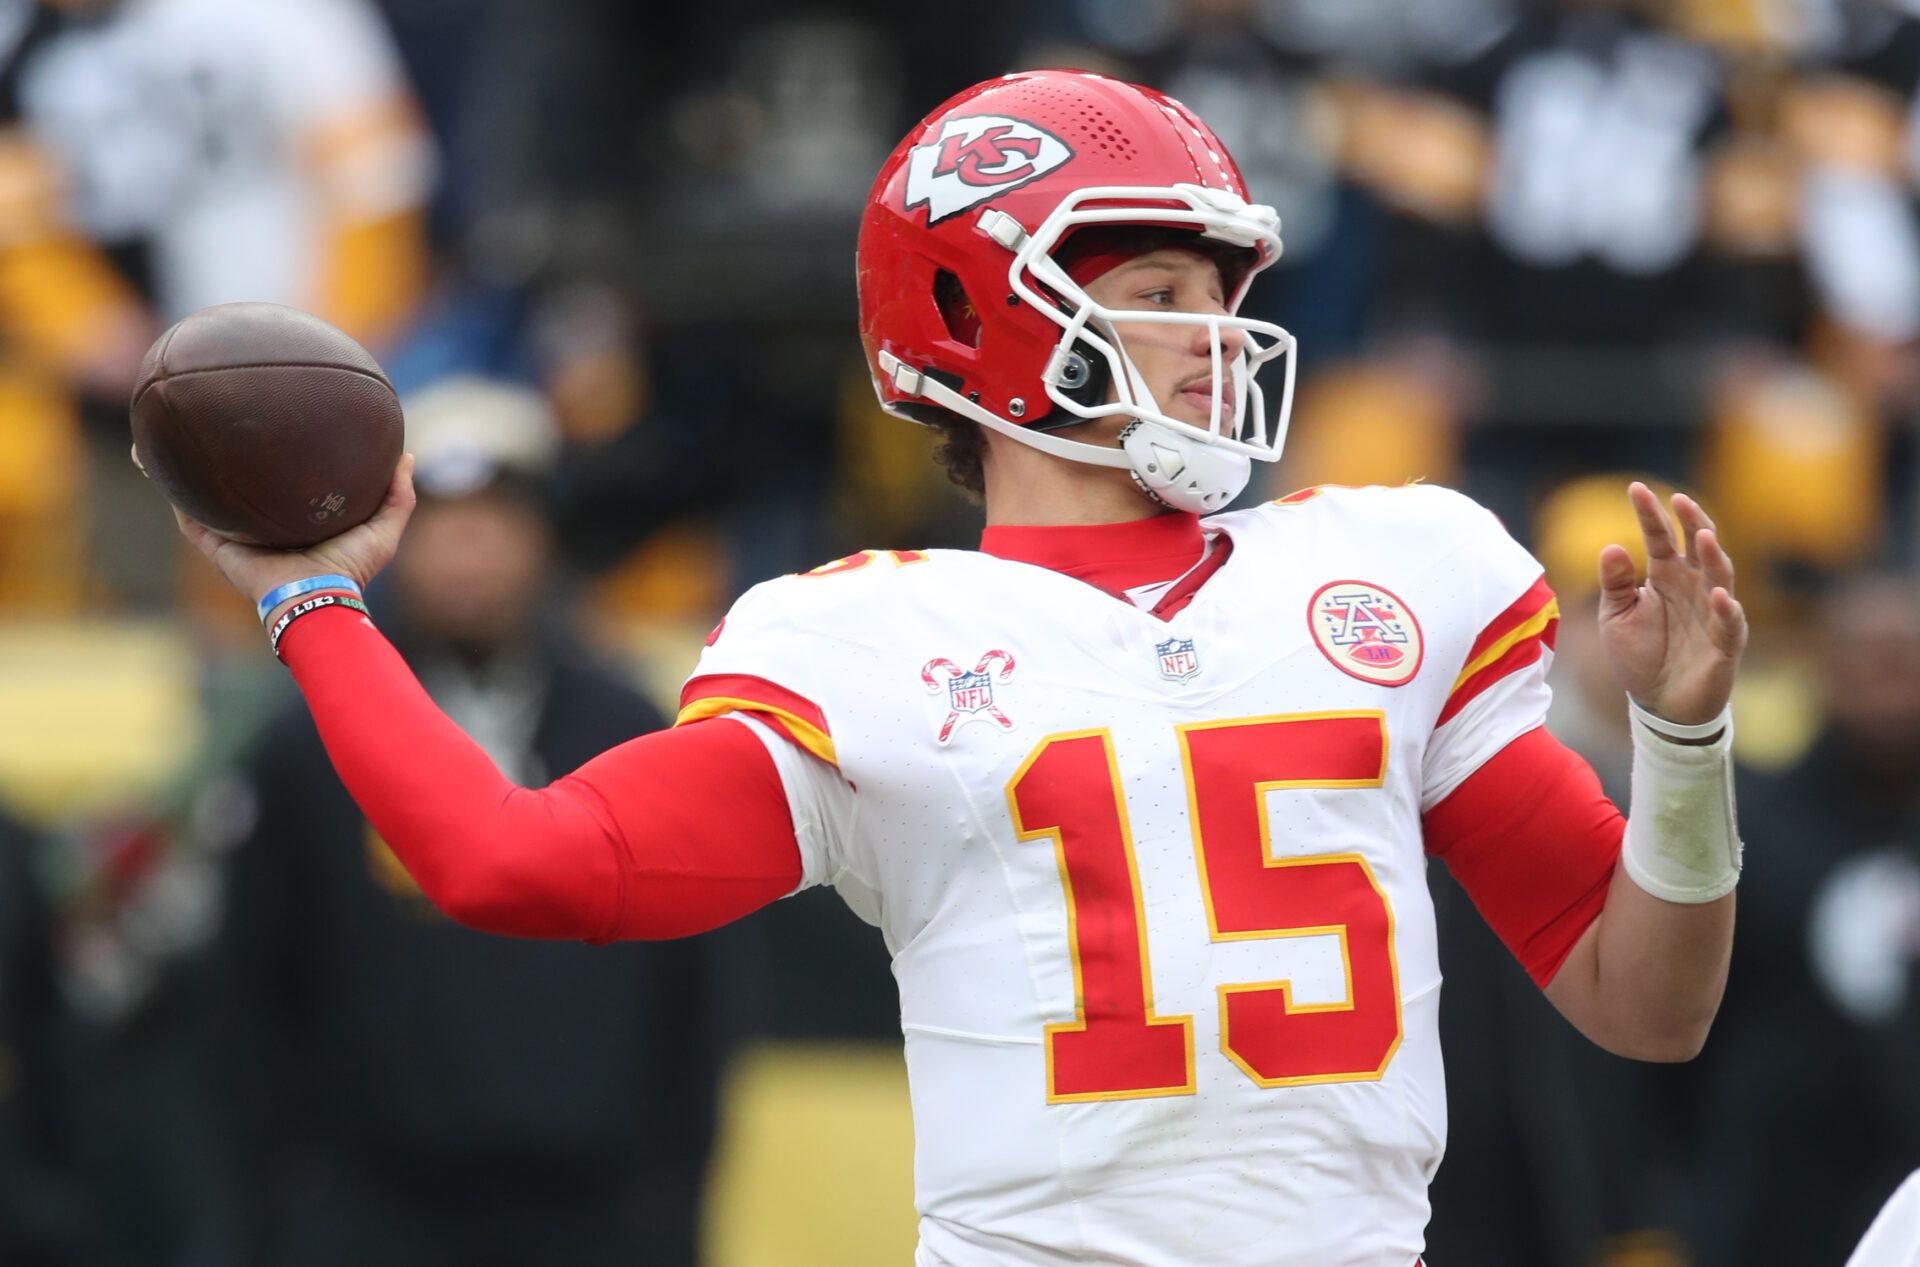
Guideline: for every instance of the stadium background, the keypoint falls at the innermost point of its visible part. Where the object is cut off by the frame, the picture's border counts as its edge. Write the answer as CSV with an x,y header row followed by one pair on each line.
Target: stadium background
x,y
1533,248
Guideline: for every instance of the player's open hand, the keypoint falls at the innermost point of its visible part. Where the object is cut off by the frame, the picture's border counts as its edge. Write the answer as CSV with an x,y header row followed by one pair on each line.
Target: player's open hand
x,y
359,552
1674,642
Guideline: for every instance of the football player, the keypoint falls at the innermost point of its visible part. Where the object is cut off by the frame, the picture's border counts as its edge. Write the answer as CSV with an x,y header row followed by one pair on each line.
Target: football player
x,y
1142,802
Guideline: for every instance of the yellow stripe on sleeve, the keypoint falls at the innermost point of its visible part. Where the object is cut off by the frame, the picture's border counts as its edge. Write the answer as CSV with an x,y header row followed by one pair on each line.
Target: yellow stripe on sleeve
x,y
1532,627
808,735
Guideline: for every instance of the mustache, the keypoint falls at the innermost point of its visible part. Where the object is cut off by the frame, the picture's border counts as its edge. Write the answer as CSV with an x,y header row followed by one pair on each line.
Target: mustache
x,y
1204,378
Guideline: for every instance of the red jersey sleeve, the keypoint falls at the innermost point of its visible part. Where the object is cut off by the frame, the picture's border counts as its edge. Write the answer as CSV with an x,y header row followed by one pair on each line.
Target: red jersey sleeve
x,y
1533,840
667,834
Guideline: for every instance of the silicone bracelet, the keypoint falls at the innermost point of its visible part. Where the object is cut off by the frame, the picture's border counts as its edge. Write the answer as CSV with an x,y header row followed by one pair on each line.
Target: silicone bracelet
x,y
311,605
293,589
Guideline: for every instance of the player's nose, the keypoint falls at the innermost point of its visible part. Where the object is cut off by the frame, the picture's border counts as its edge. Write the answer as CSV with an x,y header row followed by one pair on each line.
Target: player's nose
x,y
1232,341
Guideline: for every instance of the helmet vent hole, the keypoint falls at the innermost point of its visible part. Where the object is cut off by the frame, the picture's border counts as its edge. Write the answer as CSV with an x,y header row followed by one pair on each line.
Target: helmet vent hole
x,y
956,309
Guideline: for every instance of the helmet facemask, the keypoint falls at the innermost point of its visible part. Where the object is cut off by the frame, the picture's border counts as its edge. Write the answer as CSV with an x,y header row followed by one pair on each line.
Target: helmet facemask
x,y
1184,465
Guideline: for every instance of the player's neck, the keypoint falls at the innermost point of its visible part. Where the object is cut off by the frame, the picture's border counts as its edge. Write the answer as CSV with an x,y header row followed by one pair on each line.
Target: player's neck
x,y
1034,489
1089,522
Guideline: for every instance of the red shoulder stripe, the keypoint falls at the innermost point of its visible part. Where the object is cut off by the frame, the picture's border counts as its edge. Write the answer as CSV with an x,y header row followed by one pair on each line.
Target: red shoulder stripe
x,y
796,716
1518,612
1523,652
1517,637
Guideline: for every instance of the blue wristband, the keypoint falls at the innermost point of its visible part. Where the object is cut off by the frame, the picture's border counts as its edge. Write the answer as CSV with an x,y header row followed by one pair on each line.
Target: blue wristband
x,y
293,589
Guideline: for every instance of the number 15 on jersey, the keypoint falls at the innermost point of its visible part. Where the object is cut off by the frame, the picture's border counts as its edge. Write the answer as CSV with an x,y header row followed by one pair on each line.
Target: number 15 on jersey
x,y
1116,1047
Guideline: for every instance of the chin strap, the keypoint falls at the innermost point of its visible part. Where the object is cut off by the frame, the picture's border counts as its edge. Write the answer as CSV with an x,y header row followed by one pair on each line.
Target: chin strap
x,y
1171,468
1181,472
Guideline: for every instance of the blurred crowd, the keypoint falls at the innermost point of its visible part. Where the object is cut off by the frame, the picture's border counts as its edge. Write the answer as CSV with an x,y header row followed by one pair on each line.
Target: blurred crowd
x,y
1534,248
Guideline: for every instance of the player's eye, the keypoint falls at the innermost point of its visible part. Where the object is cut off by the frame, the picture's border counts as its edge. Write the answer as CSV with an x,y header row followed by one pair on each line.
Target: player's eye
x,y
1158,295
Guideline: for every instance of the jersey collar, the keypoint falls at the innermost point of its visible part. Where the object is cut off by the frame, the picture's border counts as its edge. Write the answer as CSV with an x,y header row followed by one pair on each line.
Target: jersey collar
x,y
1113,558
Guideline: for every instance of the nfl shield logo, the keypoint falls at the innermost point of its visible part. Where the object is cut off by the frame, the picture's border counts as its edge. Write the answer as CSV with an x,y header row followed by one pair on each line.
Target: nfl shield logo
x,y
1177,660
970,692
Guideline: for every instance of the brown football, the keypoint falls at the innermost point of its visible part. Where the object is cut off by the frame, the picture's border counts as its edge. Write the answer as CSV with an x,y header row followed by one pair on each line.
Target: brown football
x,y
267,424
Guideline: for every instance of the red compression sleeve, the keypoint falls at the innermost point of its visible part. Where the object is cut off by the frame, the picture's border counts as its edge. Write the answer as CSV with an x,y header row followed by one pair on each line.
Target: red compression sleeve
x,y
1533,840
668,834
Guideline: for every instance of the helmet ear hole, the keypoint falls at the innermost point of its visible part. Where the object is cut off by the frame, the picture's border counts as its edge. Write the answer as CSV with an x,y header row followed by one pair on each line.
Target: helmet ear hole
x,y
956,309
1084,376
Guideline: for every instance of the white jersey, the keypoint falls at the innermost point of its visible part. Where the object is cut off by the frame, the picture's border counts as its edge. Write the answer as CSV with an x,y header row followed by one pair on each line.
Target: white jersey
x,y
1155,890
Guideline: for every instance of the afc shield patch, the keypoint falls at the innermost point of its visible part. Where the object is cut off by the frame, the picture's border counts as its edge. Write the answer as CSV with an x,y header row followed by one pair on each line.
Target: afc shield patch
x,y
1178,661
1366,631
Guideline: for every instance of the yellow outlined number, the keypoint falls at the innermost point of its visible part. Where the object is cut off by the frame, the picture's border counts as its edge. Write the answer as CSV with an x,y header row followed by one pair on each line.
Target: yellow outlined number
x,y
1068,791
1115,1048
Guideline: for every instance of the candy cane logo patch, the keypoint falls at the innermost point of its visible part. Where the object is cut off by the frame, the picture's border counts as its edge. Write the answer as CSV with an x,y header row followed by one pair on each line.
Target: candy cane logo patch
x,y
1366,631
969,692
977,158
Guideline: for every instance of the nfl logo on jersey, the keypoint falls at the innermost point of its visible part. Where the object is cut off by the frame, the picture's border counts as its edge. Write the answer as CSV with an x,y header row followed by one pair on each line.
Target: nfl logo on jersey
x,y
1177,660
970,692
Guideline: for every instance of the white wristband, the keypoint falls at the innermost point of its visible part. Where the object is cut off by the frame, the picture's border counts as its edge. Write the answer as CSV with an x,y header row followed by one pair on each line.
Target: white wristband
x,y
1682,842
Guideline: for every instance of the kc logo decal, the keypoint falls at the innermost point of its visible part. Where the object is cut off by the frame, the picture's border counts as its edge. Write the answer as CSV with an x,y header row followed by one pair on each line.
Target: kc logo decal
x,y
977,158
1366,631
969,693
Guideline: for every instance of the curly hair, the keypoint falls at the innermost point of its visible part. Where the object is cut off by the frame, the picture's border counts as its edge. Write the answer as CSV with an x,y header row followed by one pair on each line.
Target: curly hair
x,y
961,450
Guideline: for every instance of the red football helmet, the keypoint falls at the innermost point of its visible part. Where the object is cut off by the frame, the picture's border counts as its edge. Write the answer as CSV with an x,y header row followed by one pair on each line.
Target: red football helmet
x,y
969,215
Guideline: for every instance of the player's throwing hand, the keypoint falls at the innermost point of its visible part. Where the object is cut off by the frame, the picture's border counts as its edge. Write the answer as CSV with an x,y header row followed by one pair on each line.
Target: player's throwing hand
x,y
1674,642
358,553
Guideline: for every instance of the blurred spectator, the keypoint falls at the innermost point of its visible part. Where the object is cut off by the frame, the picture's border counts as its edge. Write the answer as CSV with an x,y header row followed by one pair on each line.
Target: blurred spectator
x,y
226,150
41,1214
646,426
1804,1104
1851,120
1847,118
403,1091
1559,236
210,151
646,432
1260,86
1797,464
66,319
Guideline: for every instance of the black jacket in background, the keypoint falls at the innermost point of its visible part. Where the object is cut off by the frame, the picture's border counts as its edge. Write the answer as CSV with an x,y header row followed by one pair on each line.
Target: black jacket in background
x,y
40,1222
1806,1119
400,1089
